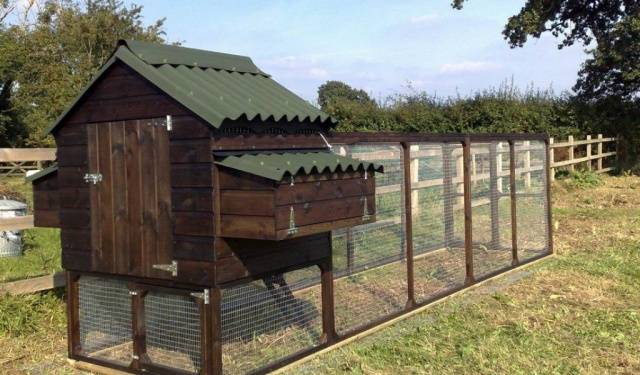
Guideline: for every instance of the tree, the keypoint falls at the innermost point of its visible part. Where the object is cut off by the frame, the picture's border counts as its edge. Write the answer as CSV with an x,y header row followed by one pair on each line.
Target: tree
x,y
609,29
332,91
53,54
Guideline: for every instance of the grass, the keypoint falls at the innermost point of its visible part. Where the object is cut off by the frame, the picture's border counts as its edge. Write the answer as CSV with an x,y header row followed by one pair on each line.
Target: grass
x,y
578,312
41,245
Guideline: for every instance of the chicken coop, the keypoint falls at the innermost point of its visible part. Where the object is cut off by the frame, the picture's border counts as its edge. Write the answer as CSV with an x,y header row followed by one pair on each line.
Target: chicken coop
x,y
213,222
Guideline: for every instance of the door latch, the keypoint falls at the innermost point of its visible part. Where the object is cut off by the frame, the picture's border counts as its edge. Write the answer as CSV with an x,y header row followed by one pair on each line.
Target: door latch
x,y
172,267
292,223
93,178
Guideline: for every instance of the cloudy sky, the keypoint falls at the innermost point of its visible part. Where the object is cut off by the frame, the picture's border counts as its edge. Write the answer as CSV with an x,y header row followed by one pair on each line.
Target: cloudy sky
x,y
379,46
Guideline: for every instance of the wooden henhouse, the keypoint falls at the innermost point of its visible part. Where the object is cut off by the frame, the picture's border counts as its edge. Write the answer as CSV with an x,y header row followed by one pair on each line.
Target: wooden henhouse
x,y
181,172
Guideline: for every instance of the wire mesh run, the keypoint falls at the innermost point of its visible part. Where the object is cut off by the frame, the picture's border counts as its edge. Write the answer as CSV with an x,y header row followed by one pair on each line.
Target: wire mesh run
x,y
491,208
269,319
438,218
370,277
531,199
105,319
173,331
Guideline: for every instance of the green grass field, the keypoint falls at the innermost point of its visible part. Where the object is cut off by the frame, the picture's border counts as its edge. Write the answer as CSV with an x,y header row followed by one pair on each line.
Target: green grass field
x,y
578,312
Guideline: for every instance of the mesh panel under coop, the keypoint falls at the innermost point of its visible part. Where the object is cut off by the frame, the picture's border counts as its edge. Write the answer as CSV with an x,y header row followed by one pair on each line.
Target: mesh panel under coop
x,y
172,324
105,319
266,320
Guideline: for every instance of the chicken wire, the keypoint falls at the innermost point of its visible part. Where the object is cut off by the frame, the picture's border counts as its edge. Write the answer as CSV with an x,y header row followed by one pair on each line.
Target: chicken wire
x,y
172,323
438,219
491,208
531,199
370,280
266,320
105,319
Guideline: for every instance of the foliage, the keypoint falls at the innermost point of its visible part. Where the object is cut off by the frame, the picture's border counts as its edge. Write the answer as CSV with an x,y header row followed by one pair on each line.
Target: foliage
x,y
25,315
46,60
611,28
582,179
331,91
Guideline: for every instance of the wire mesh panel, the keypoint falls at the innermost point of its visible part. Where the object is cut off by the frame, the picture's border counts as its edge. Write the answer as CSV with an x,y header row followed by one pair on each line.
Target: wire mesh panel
x,y
173,332
438,218
531,199
105,319
370,279
491,207
266,320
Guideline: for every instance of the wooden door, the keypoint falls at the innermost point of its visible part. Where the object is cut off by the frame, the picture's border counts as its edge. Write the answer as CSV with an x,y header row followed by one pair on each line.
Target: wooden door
x,y
131,205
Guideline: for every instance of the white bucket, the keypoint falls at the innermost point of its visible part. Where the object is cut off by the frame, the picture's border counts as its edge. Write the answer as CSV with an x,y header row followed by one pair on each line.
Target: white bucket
x,y
11,241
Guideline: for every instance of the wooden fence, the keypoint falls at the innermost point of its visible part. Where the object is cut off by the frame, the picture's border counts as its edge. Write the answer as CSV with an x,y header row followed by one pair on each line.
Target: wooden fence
x,y
17,161
571,144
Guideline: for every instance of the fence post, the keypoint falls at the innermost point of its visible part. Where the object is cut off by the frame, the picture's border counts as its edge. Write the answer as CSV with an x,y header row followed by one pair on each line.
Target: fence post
x,y
215,311
547,168
499,166
599,160
468,228
447,192
571,149
552,171
328,305
512,191
406,149
494,196
527,164
589,152
350,243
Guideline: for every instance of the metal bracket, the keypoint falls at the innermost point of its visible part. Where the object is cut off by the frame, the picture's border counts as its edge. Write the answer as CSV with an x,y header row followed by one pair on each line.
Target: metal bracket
x,y
134,356
292,223
173,268
133,293
365,213
204,295
365,174
92,178
169,124
292,181
325,141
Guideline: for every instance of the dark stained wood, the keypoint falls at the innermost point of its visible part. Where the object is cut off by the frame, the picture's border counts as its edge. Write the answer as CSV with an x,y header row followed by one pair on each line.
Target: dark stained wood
x,y
193,223
76,260
149,197
119,192
512,192
408,227
331,189
547,166
192,199
323,227
188,127
46,218
76,239
329,335
75,218
468,224
267,141
71,134
233,180
73,316
214,347
94,197
135,194
256,227
138,327
324,211
190,151
75,197
46,201
72,156
164,252
105,254
193,247
191,175
248,202
71,177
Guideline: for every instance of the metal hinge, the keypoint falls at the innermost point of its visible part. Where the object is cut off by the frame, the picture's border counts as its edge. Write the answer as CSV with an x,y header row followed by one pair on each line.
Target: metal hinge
x,y
92,178
292,223
204,295
133,292
365,214
134,356
169,123
173,268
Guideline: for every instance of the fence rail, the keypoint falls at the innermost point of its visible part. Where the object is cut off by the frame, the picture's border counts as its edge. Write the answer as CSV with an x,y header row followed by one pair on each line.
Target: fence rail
x,y
17,161
571,162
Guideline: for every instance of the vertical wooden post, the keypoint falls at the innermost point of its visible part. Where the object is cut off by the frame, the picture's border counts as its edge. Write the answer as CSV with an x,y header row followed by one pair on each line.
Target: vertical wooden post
x,y
138,327
329,334
214,349
599,161
552,171
406,149
527,164
350,243
571,149
73,314
494,196
589,152
468,228
514,216
548,205
447,193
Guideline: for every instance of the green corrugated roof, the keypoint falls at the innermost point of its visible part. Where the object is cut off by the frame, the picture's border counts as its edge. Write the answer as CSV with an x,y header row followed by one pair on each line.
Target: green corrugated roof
x,y
41,173
275,166
215,86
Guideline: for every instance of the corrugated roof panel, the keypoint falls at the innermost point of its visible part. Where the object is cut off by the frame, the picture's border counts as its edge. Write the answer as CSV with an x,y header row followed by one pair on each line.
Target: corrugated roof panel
x,y
215,86
275,166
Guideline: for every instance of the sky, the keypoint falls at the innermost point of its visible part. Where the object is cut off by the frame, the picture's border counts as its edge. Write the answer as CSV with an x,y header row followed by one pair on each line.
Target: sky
x,y
383,47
